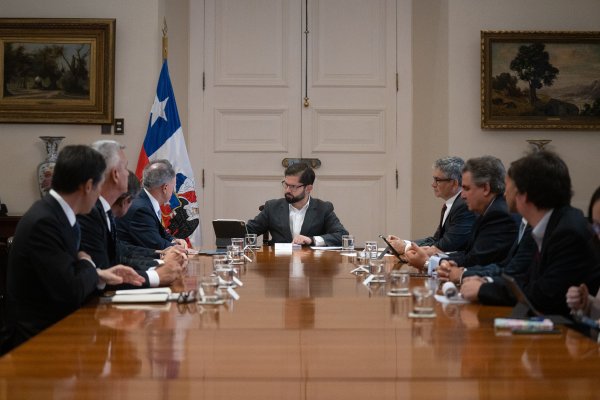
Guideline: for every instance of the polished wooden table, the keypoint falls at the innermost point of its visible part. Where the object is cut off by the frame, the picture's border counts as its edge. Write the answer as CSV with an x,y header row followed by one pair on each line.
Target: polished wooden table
x,y
304,328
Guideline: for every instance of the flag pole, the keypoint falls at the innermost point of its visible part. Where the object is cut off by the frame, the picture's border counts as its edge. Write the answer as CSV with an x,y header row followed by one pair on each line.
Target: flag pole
x,y
165,40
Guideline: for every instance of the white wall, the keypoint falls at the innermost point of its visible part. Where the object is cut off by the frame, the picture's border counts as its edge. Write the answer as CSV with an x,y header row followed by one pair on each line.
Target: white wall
x,y
458,87
137,65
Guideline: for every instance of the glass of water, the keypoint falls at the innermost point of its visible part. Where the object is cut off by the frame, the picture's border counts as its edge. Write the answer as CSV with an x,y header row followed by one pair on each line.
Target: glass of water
x,y
251,240
348,243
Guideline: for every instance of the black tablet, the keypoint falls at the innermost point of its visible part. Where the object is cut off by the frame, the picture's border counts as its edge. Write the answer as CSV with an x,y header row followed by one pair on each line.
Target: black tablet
x,y
392,249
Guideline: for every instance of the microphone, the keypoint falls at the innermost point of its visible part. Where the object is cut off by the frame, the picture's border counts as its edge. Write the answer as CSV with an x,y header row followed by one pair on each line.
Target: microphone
x,y
449,290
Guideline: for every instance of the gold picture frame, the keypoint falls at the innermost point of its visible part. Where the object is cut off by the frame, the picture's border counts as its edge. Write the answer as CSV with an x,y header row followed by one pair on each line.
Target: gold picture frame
x,y
57,70
540,80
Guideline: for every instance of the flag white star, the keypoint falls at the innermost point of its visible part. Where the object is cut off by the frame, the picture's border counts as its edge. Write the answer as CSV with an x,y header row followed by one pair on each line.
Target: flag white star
x,y
158,110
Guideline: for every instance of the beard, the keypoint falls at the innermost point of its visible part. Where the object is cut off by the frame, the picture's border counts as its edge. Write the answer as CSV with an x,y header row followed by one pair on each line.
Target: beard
x,y
294,199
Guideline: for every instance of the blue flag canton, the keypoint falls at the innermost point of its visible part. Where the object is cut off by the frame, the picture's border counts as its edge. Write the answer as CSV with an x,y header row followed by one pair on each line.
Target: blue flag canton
x,y
164,114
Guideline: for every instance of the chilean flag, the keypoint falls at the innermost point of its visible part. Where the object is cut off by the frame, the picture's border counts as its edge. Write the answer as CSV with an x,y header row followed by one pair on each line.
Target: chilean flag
x,y
164,140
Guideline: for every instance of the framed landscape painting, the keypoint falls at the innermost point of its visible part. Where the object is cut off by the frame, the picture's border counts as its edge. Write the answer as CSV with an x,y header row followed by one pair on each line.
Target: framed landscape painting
x,y
540,80
57,70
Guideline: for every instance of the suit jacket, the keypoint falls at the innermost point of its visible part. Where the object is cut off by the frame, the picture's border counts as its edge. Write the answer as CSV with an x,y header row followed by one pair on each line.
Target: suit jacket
x,y
45,281
518,260
320,220
141,226
494,233
567,258
454,234
102,245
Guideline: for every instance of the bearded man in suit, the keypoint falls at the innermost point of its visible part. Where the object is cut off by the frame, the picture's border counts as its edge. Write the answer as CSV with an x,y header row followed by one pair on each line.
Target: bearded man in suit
x,y
297,217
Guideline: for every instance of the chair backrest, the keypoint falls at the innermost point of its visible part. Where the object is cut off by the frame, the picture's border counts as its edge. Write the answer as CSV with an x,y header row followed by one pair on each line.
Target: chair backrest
x,y
266,239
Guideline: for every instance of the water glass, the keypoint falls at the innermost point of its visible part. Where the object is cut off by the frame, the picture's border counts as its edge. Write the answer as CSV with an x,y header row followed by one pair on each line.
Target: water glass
x,y
423,300
347,243
371,249
399,283
209,288
225,275
251,241
220,261
235,253
190,277
377,269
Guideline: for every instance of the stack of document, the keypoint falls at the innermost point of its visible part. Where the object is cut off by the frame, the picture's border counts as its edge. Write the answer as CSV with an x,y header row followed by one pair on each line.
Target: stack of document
x,y
149,295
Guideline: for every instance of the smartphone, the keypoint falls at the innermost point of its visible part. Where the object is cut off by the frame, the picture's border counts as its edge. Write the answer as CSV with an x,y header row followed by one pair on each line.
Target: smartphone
x,y
392,249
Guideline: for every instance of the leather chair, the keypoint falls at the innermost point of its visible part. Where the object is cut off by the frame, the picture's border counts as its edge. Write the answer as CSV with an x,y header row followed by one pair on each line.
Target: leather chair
x,y
266,240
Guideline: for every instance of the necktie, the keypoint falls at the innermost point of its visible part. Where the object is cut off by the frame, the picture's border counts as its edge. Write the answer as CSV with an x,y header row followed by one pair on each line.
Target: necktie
x,y
442,215
77,233
113,227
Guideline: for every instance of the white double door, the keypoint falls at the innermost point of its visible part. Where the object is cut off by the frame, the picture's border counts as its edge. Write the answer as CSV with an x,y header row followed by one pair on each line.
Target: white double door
x,y
250,73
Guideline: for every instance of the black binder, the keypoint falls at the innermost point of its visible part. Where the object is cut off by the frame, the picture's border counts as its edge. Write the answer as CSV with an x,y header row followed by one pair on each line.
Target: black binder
x,y
225,229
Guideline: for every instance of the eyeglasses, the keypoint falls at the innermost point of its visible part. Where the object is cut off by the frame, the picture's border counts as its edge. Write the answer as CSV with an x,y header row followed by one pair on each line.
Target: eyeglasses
x,y
437,180
291,187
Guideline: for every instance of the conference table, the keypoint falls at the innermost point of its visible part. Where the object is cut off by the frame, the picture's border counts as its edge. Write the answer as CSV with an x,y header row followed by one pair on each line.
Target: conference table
x,y
304,327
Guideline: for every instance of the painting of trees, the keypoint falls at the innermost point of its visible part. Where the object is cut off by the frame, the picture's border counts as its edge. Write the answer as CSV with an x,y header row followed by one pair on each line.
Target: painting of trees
x,y
532,65
47,70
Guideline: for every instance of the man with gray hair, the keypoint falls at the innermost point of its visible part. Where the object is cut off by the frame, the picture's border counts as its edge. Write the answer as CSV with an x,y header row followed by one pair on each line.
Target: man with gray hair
x,y
494,230
142,224
456,220
98,230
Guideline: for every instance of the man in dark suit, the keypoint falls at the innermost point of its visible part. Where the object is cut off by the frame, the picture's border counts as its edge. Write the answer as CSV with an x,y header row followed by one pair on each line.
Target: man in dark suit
x,y
494,230
565,254
299,218
142,224
48,277
456,220
98,231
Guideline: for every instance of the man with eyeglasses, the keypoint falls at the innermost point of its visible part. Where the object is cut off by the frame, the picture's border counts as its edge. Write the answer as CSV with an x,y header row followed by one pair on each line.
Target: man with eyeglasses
x,y
494,230
297,217
456,220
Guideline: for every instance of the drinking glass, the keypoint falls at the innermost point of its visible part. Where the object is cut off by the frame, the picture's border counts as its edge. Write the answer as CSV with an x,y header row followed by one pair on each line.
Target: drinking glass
x,y
348,243
209,288
422,300
225,274
190,277
220,261
251,241
377,269
235,253
399,283
371,249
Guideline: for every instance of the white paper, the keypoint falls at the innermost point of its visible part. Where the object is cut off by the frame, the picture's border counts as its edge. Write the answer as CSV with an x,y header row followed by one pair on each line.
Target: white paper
x,y
144,291
284,248
326,247
141,298
368,279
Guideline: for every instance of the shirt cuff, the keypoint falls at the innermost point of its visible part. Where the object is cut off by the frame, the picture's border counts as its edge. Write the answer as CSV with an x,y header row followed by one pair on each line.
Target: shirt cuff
x,y
153,278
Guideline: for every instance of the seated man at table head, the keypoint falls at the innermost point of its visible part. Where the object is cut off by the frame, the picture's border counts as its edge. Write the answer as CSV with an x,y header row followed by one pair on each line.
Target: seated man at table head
x,y
98,230
142,225
494,230
456,220
48,277
297,217
565,254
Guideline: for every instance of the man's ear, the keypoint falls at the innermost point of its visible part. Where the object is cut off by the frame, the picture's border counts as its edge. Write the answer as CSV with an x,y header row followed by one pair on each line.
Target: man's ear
x,y
87,186
487,189
114,175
